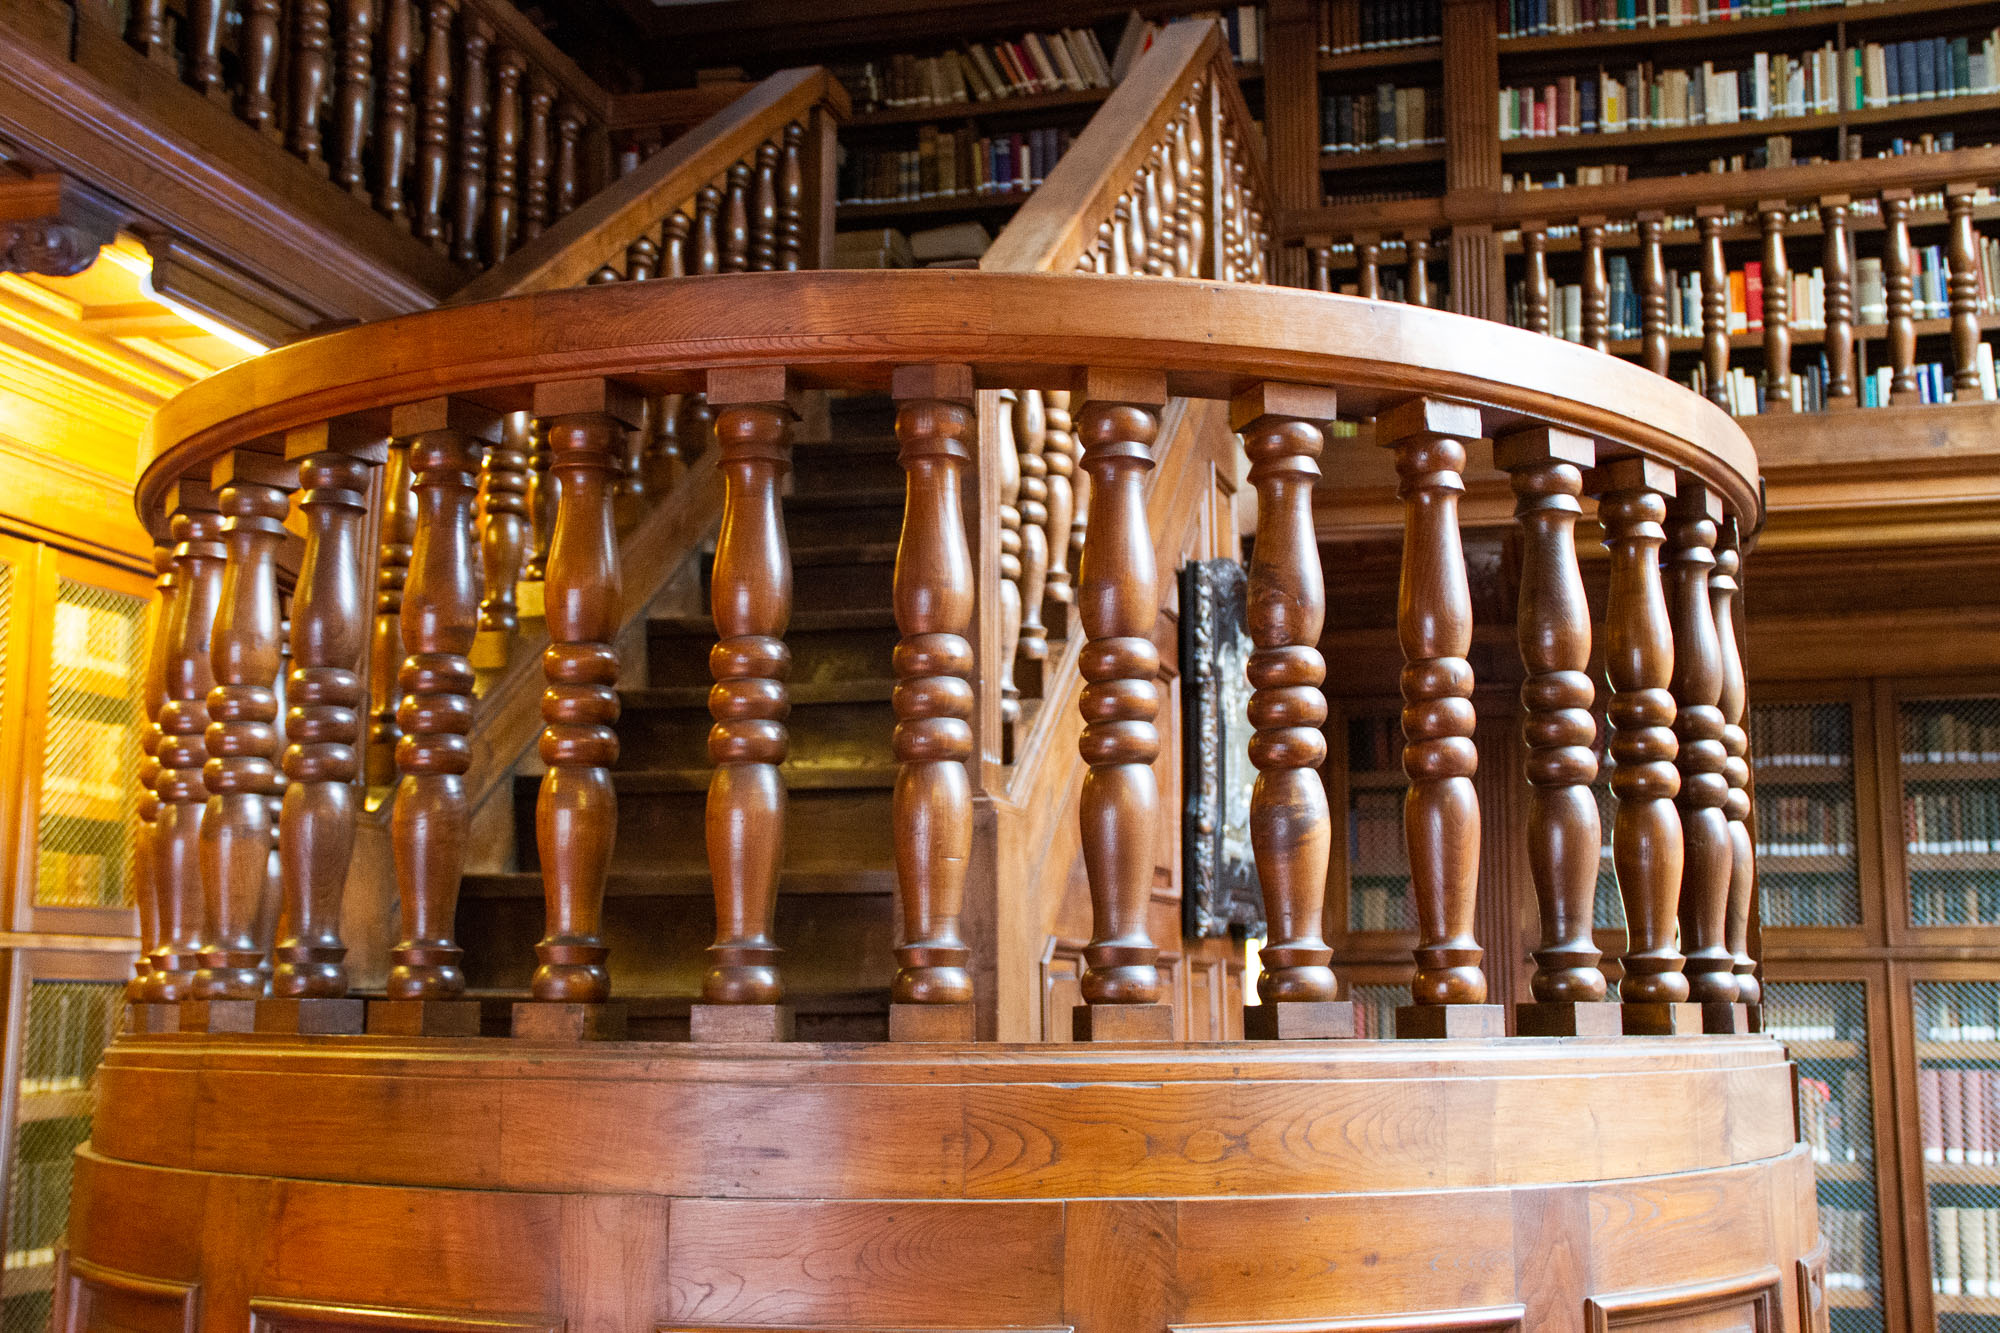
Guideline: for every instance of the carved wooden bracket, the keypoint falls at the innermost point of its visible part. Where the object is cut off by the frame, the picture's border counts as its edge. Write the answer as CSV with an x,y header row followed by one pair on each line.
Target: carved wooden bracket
x,y
51,225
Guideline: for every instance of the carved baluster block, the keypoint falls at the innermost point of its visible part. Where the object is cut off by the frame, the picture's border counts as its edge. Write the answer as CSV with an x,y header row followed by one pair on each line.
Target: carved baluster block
x,y
751,596
931,999
323,731
445,439
351,109
1899,274
1031,435
1291,830
576,813
503,187
1059,457
1653,293
1837,269
1646,842
434,127
241,771
1733,702
1773,214
1441,812
1118,602
1547,467
1962,287
396,111
311,67
1539,295
475,35
1714,304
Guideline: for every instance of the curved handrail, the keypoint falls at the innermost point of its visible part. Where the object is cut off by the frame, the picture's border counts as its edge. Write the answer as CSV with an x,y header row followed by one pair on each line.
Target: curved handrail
x,y
850,329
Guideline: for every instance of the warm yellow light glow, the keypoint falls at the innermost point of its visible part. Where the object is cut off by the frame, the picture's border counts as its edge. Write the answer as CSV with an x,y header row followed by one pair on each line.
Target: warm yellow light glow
x,y
129,255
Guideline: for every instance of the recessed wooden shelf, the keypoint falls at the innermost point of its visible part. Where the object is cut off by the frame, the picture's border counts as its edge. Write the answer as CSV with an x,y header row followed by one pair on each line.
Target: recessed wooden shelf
x,y
956,111
944,203
1381,157
1387,57
1543,145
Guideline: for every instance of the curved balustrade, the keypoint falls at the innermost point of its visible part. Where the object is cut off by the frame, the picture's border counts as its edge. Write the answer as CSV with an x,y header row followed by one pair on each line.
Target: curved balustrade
x,y
1674,478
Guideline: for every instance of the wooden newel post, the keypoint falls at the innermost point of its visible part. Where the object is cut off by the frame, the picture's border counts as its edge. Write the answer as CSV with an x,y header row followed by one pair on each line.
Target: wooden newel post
x,y
1547,466
1291,831
1639,663
241,772
446,438
576,813
751,596
1441,812
931,999
1118,602
323,731
1733,701
1702,759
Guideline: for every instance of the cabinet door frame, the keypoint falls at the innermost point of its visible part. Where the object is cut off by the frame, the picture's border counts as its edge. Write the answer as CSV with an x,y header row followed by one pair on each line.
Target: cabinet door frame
x,y
24,559
1890,694
1869,835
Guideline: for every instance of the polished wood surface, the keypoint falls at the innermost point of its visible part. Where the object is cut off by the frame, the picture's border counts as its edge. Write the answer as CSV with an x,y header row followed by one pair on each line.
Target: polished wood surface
x,y
1702,757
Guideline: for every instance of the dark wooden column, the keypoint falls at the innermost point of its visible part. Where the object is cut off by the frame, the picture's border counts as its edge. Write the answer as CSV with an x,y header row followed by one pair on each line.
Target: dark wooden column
x,y
1547,466
311,70
1777,312
1653,293
503,220
931,999
1441,812
1596,286
1962,258
1537,294
751,596
475,36
1899,273
1117,419
1291,831
352,111
1639,663
1733,702
1714,304
576,812
1837,269
397,114
433,174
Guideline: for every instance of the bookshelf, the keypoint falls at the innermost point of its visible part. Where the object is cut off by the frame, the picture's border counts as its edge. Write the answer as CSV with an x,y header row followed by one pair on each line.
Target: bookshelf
x,y
1378,904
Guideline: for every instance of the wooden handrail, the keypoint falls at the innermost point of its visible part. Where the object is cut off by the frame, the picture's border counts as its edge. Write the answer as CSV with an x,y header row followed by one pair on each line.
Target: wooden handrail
x,y
598,232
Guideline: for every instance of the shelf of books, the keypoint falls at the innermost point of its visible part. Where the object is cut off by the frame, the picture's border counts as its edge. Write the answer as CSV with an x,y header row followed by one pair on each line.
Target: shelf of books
x,y
1957,1026
1375,1005
1824,1025
1808,847
1381,100
1378,860
1949,768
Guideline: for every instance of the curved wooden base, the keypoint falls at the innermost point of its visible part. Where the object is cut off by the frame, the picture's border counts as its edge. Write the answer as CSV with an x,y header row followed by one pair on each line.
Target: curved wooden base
x,y
301,1184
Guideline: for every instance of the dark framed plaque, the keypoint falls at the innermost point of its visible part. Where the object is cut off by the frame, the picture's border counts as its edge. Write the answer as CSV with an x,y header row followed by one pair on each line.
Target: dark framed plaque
x,y
1219,893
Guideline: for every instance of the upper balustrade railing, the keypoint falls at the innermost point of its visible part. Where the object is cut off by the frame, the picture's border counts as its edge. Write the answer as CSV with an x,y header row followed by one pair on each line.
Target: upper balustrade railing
x,y
1676,489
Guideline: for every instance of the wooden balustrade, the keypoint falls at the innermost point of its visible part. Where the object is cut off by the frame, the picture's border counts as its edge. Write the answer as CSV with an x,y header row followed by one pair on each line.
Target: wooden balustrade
x,y
146,841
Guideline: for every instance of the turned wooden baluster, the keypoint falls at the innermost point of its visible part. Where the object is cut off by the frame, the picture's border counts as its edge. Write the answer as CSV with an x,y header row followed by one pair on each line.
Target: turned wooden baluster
x,y
1899,272
1418,248
1008,466
350,111
1774,213
1115,258
475,35
1702,759
704,246
1838,276
198,571
504,178
503,522
569,159
541,505
1142,224
1639,663
536,158
392,120
241,773
323,722
764,211
439,615
146,851
1030,439
1368,276
395,534
751,597
1117,420
576,813
632,495
736,221
1434,624
1200,235
204,45
257,65
1187,233
1596,286
1060,458
312,67
1553,627
791,200
146,30
1962,259
1722,586
1155,210
932,809
1537,292
1291,830
1714,306
1653,293
434,129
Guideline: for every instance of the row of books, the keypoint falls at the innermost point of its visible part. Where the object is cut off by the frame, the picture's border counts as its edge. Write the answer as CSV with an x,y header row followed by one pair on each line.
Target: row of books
x,y
1373,25
1375,841
1643,97
37,1212
69,1025
1955,1014
1954,898
1387,117
1966,1246
981,71
1540,18
1934,382
949,164
1965,821
1889,73
1850,1248
1380,907
1789,1018
1798,825
1959,1110
1963,733
1817,736
1745,394
956,244
1824,1121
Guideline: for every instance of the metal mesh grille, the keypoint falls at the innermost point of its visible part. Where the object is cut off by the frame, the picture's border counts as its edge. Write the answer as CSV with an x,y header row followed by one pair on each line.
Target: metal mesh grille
x,y
1951,809
69,1023
90,760
1609,913
1378,858
1809,871
1958,1110
1825,1026
1375,1007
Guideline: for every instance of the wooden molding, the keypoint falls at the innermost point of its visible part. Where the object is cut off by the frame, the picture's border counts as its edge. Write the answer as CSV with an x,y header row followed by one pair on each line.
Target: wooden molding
x,y
91,1296
1758,1292
1477,1320
276,1316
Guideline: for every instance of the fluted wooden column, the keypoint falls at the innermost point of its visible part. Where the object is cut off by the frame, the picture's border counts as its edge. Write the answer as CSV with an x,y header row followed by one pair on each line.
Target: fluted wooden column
x,y
751,596
1639,663
1596,286
1539,296
1962,287
146,849
1702,758
1059,456
1899,273
394,533
322,758
198,562
1837,270
475,35
503,533
1030,441
931,998
1291,830
1653,293
433,173
1441,812
1722,586
444,438
1714,305
576,813
241,771
1547,467
1117,419
1777,313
